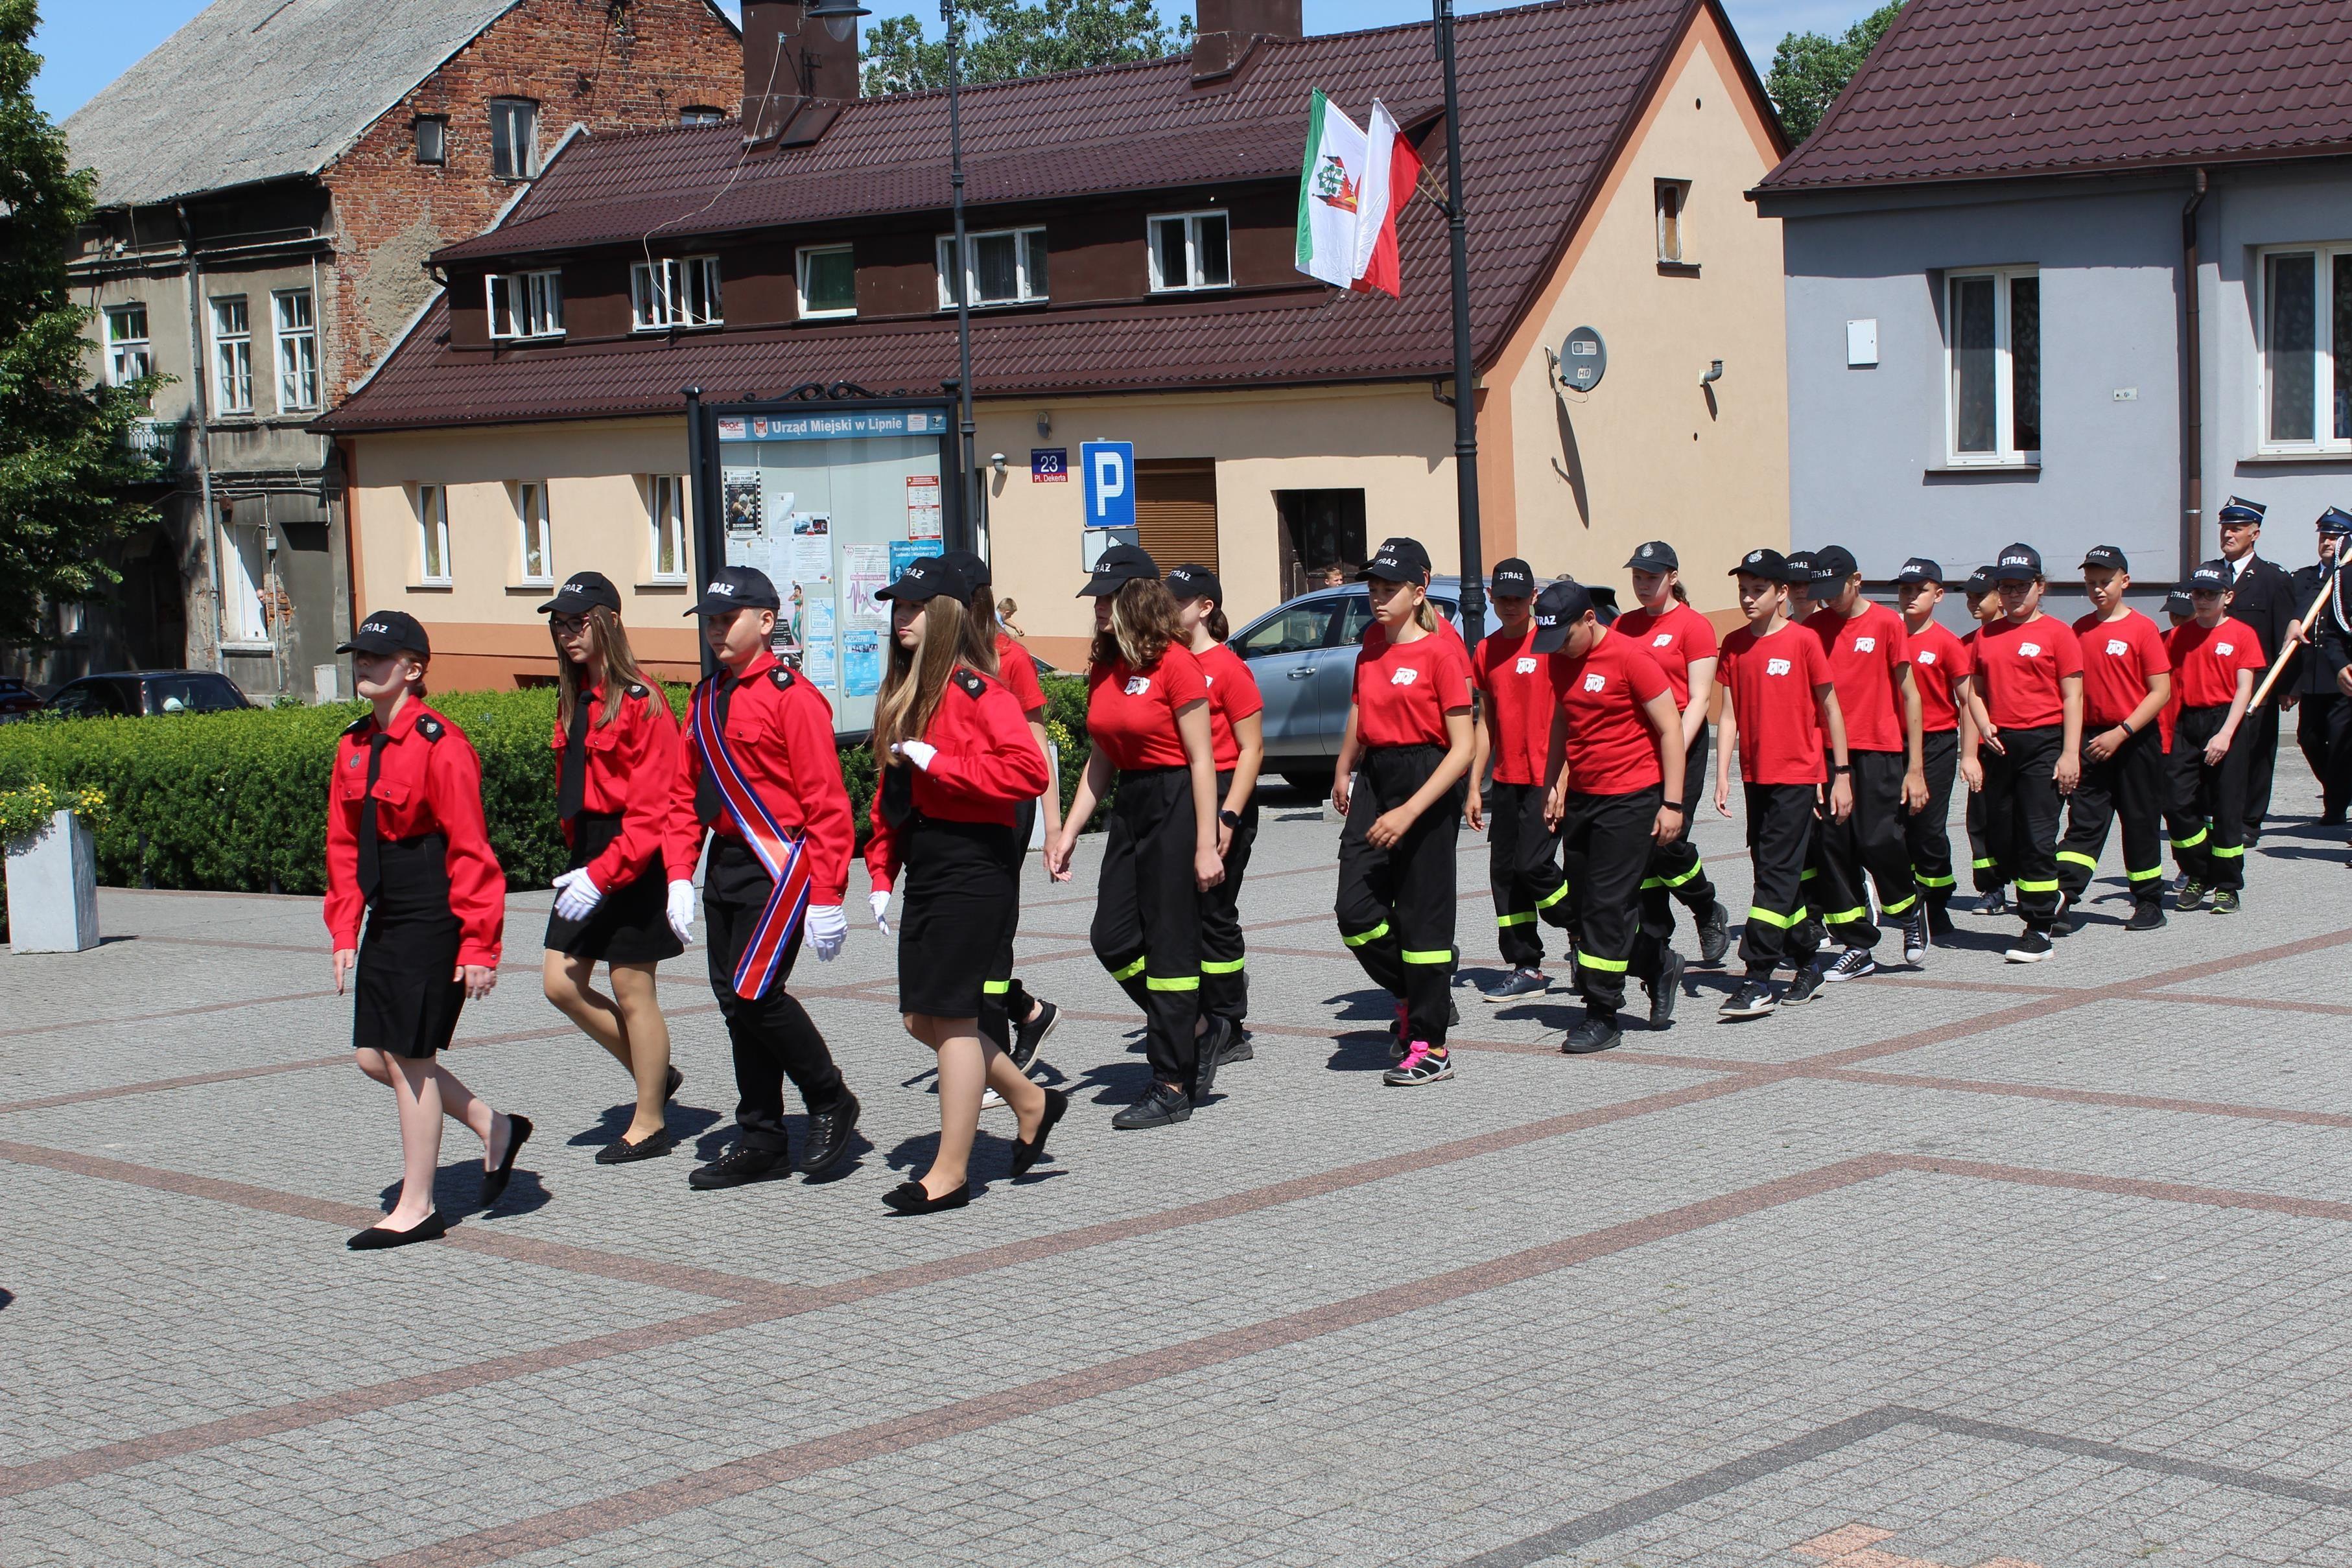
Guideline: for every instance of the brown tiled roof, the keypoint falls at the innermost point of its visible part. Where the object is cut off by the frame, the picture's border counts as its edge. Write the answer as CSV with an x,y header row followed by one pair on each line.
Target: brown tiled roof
x,y
1550,93
1976,89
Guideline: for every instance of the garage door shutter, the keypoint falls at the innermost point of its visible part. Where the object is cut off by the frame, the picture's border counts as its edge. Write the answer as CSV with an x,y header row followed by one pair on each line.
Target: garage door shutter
x,y
1176,512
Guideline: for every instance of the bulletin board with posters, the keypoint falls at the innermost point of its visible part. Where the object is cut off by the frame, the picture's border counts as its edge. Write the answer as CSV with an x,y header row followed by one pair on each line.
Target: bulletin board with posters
x,y
827,498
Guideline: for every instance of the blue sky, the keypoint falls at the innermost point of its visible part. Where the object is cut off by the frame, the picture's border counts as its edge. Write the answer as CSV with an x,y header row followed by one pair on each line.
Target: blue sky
x,y
89,43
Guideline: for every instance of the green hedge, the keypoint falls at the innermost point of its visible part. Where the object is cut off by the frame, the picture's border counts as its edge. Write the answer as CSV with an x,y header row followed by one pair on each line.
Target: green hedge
x,y
237,801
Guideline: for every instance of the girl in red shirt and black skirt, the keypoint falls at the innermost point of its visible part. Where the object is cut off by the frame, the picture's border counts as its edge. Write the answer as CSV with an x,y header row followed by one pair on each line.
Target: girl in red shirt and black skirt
x,y
407,846
956,762
1147,719
616,746
1237,747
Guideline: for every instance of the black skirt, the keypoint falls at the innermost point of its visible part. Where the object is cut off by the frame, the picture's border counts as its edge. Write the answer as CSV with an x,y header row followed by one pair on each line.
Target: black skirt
x,y
408,997
630,925
962,895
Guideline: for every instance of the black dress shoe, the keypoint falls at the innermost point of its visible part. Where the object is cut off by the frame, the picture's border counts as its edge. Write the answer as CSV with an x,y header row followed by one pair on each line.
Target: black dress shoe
x,y
494,1185
739,1168
1027,1151
1237,1047
620,1152
1714,935
1209,1049
908,1197
1160,1107
375,1238
676,1082
1666,989
1594,1032
828,1136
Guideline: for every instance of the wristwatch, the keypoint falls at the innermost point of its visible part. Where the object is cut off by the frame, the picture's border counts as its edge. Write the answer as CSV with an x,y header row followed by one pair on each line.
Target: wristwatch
x,y
1229,818
1837,767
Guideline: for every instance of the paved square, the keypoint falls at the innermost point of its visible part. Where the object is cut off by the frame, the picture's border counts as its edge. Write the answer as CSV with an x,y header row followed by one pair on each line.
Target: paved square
x,y
1975,1267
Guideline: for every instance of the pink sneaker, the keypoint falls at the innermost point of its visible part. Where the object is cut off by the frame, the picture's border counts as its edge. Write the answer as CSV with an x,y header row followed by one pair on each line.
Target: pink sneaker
x,y
1421,1065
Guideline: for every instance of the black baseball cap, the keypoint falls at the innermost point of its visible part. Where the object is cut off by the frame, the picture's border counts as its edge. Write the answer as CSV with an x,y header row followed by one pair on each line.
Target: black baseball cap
x,y
1769,564
1656,556
736,588
2017,563
927,577
1192,581
2334,520
1120,565
1979,580
1832,563
2179,601
2106,556
2213,577
389,632
581,592
1919,569
969,567
2237,509
1557,608
1397,561
1514,578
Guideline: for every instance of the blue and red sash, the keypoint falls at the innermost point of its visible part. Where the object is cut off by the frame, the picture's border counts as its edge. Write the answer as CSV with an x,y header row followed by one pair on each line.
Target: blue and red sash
x,y
785,857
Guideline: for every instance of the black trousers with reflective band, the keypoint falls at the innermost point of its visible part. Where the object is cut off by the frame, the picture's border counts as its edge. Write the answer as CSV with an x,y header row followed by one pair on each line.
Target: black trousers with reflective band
x,y
2323,728
1675,870
1986,870
1780,929
2021,816
1005,998
2206,809
2127,787
1927,833
1523,867
1224,954
1872,842
1605,847
2259,732
1396,905
773,1038
1146,928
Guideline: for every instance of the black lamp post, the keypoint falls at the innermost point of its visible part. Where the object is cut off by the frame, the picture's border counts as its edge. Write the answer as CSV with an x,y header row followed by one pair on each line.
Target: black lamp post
x,y
967,447
1465,409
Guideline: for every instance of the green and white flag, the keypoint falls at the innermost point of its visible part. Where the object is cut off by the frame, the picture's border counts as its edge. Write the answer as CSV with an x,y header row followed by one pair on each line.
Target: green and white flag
x,y
1331,193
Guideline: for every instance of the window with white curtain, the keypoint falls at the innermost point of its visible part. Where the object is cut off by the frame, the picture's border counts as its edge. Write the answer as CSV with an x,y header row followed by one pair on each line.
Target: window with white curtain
x,y
297,349
666,523
1992,327
538,552
675,291
232,357
526,305
2306,320
433,535
1190,250
1002,267
129,355
514,138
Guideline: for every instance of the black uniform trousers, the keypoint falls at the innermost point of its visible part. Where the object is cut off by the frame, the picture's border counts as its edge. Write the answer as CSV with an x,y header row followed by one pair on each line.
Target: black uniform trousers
x,y
1986,872
1396,905
1004,999
2206,807
1224,953
2021,816
1927,832
1523,867
2323,728
1147,927
2129,787
2261,760
773,1037
1780,836
1675,870
1605,841
1872,841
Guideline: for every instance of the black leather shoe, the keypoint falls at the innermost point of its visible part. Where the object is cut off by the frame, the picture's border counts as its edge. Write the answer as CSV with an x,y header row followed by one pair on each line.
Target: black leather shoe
x,y
620,1152
828,1136
1209,1052
1594,1033
375,1238
738,1166
494,1185
676,1082
1666,989
2146,915
1237,1045
908,1197
1028,1037
1027,1151
1162,1105
1714,935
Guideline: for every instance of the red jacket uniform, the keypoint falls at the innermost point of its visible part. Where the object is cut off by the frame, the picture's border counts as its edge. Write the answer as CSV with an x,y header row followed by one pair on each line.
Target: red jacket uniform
x,y
430,782
780,730
631,763
988,763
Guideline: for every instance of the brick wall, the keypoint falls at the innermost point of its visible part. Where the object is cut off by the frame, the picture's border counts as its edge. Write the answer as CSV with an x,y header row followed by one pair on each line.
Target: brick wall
x,y
602,64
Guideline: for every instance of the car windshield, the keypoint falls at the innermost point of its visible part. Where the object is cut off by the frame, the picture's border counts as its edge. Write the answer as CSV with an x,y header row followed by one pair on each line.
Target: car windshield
x,y
191,694
1294,629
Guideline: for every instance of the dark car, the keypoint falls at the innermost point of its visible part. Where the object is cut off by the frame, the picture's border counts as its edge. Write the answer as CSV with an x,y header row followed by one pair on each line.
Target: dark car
x,y
18,700
129,693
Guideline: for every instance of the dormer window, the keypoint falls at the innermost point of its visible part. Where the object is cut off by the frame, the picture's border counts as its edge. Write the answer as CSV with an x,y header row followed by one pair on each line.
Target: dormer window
x,y
1191,251
526,304
1002,267
675,291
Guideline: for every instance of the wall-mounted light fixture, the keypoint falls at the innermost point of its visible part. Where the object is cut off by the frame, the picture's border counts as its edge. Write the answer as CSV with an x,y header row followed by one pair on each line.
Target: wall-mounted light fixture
x,y
1714,374
1045,423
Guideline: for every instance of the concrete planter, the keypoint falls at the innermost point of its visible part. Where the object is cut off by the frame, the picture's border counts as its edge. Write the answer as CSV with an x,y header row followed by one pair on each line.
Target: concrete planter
x,y
53,888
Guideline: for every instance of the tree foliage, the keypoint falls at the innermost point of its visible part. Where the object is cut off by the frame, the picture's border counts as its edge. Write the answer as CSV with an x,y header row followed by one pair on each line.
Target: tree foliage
x,y
1008,38
64,469
1810,69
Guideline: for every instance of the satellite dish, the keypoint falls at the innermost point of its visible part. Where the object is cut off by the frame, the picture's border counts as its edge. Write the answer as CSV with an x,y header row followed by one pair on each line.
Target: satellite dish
x,y
1583,359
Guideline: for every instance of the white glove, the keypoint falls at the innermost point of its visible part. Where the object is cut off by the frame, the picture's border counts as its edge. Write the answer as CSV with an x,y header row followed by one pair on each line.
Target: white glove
x,y
918,752
681,909
828,928
878,901
576,895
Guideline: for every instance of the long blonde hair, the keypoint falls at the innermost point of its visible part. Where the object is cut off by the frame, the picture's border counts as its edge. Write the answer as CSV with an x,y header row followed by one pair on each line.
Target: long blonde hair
x,y
915,679
1144,621
609,645
983,631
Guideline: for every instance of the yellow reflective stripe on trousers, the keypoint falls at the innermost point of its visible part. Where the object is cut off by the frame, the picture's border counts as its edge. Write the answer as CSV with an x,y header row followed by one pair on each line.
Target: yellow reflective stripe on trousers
x,y
1374,935
1810,873
2232,852
2025,886
1926,881
1606,966
1528,918
1840,917
1899,905
1983,863
1785,922
1696,867
1650,882
1441,956
1130,972
1176,983
1554,896
1222,965
995,988
2150,874
2191,842
2080,860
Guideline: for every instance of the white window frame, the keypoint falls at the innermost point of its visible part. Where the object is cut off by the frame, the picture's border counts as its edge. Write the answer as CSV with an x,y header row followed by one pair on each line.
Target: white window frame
x,y
245,622
503,112
433,128
534,535
2006,454
675,291
665,511
701,114
800,281
1023,259
128,356
232,353
297,347
2326,256
1674,229
1191,282
533,304
433,535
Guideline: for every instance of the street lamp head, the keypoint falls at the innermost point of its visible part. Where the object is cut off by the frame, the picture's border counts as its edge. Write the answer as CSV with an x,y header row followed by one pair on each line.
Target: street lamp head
x,y
839,16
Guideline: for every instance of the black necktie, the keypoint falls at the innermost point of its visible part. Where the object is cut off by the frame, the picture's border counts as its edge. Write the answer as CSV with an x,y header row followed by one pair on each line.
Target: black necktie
x,y
706,788
572,779
370,867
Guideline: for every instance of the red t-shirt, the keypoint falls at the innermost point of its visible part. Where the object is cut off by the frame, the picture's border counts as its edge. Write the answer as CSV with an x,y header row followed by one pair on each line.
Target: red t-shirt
x,y
1018,671
1611,750
1233,696
1131,717
1674,639
2019,668
1773,681
1403,690
2118,658
2209,660
1517,681
1940,662
1867,652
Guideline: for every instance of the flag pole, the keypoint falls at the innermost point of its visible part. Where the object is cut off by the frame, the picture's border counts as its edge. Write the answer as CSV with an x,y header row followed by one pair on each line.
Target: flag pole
x,y
1465,410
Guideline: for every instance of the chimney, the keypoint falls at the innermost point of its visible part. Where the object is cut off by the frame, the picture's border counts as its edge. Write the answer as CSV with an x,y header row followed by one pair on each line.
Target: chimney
x,y
1228,30
797,74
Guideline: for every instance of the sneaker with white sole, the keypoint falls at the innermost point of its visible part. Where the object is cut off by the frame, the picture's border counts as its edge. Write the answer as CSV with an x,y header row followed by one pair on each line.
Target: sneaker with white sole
x,y
1802,989
1753,999
1851,965
1518,983
1915,938
2030,948
1420,1065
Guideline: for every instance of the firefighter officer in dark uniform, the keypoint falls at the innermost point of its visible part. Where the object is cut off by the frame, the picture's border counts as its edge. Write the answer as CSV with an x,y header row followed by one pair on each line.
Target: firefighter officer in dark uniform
x,y
2262,596
2323,726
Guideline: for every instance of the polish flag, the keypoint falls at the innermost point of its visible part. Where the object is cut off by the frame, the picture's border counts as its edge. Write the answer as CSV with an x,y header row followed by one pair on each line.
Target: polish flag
x,y
1391,175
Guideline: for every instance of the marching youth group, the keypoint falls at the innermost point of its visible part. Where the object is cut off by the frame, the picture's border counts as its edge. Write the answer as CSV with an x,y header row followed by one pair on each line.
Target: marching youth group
x,y
1576,737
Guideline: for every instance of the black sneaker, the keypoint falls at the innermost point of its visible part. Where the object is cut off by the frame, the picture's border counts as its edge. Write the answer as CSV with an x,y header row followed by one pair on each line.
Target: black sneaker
x,y
1237,1044
1851,965
740,1166
1915,938
1595,1032
1753,999
1803,988
1162,1105
1208,1055
2225,900
1714,936
1995,903
1666,990
1518,983
2064,923
1028,1037
2031,946
828,1136
2192,894
2146,915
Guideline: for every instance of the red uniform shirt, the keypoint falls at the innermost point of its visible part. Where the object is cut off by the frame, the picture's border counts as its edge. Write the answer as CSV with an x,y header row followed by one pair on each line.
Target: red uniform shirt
x,y
1611,750
2118,658
2207,662
1404,690
1674,639
632,762
1867,653
1233,696
780,731
1773,681
2019,668
988,763
429,781
1519,704
1131,717
1940,662
1018,671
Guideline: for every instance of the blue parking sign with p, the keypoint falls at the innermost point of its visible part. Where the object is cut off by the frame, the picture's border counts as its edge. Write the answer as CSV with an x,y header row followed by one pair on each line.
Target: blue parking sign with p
x,y
1108,467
